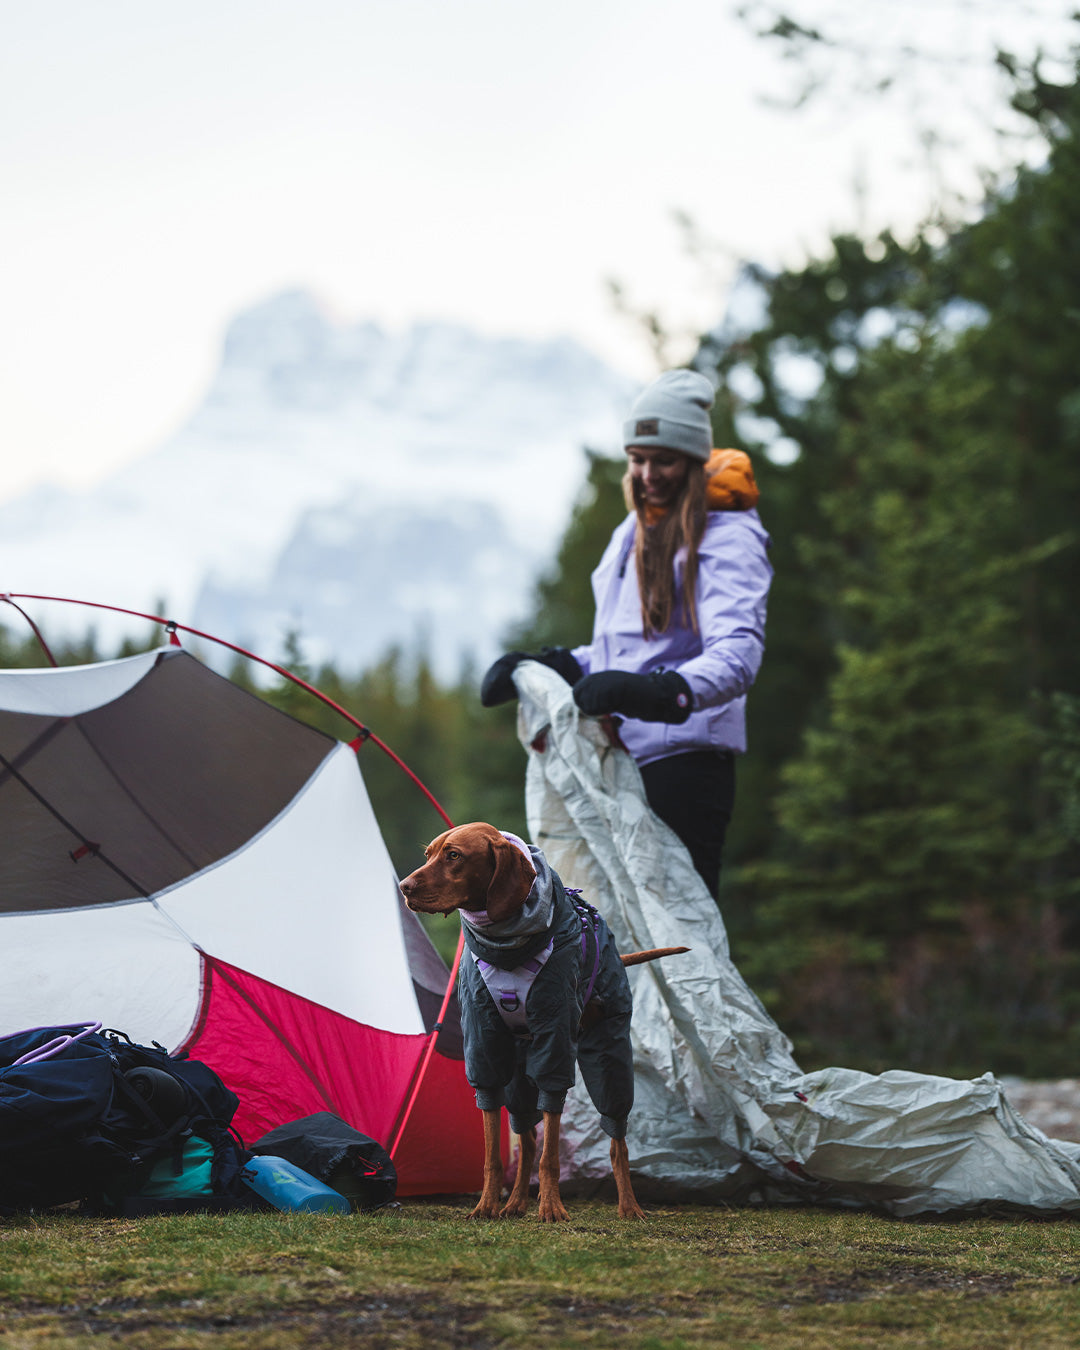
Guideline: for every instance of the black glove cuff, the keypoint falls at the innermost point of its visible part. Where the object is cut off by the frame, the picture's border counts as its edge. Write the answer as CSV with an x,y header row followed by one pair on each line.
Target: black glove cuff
x,y
677,697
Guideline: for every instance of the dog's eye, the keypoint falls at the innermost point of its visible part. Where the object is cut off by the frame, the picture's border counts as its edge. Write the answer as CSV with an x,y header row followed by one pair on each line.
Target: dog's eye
x,y
452,853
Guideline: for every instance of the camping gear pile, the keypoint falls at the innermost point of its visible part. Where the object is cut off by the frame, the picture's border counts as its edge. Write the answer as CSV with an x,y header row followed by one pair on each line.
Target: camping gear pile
x,y
92,1116
344,1160
88,1115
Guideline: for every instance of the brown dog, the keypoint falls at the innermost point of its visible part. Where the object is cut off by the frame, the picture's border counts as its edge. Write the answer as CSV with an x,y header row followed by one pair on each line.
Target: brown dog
x,y
476,869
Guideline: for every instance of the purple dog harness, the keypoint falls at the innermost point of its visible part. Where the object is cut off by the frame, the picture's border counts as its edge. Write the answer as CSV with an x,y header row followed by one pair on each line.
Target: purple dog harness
x,y
510,988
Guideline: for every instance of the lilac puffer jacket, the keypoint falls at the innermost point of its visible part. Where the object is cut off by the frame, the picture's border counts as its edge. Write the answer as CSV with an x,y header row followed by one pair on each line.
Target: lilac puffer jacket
x,y
719,663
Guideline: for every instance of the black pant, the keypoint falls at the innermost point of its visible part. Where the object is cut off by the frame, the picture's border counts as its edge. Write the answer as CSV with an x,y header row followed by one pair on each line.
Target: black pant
x,y
694,794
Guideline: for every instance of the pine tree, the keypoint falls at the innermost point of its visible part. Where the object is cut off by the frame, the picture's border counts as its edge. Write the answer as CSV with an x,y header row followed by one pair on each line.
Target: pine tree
x,y
914,902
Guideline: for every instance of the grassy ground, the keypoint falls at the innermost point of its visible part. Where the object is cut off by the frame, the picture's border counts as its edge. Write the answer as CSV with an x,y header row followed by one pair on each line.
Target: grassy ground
x,y
424,1276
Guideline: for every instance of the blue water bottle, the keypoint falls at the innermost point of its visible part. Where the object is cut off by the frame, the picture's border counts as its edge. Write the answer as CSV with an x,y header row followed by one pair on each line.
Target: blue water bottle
x,y
286,1186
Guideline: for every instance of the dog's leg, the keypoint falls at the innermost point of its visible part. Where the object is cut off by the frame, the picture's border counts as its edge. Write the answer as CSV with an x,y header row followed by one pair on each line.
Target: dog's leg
x,y
620,1167
552,1208
488,1208
518,1203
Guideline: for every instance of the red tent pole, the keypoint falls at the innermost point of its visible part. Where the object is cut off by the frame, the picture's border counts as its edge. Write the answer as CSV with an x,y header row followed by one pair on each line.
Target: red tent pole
x,y
37,631
172,627
429,1050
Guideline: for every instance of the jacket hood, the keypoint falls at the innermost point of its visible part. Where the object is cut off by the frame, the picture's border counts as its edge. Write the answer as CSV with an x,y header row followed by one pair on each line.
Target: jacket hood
x,y
729,481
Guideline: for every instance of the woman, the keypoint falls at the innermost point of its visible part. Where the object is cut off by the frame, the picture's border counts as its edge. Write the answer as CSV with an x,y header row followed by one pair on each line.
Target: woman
x,y
680,616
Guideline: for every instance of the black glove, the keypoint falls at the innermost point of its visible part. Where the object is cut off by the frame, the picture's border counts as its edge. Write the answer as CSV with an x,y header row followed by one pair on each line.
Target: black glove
x,y
663,696
498,686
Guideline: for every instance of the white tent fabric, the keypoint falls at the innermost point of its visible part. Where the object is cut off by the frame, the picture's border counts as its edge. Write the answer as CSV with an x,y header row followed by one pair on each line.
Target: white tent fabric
x,y
125,965
722,1109
66,691
309,903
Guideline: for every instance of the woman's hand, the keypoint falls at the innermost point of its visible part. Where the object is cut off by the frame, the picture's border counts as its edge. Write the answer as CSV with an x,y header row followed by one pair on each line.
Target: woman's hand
x,y
663,696
498,685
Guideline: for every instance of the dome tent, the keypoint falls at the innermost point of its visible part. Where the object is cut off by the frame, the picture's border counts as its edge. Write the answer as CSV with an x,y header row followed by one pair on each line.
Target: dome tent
x,y
191,866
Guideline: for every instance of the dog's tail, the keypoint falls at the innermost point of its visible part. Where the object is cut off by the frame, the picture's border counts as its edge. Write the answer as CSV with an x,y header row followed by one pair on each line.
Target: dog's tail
x,y
638,958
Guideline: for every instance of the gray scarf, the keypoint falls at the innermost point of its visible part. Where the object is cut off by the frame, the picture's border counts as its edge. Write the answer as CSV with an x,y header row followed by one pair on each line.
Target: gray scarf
x,y
512,941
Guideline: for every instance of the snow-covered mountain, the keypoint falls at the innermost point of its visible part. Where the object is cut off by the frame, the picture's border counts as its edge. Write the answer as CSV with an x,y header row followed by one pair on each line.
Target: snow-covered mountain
x,y
360,487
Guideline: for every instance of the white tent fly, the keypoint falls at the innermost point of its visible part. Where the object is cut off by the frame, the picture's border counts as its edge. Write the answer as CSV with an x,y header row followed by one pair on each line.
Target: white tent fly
x,y
722,1109
238,833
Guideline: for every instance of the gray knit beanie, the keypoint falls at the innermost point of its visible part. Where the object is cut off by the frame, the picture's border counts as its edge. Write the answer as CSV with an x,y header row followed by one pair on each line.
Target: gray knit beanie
x,y
673,412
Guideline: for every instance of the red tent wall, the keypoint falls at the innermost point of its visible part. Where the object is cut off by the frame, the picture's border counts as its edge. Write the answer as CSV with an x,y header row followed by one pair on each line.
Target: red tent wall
x,y
286,1057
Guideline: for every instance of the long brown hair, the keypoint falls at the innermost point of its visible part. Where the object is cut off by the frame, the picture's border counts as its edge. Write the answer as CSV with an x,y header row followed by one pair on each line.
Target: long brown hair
x,y
655,547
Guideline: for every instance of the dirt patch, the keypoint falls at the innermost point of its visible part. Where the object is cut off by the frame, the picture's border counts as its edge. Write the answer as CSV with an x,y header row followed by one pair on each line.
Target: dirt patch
x,y
586,1311
384,1322
378,1321
370,1322
858,1284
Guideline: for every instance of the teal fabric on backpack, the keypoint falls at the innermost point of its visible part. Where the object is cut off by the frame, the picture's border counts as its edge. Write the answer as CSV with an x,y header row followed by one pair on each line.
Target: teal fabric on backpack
x,y
164,1181
192,1179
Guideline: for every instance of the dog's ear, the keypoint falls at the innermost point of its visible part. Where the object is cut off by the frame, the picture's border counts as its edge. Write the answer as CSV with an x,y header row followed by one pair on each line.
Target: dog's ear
x,y
512,878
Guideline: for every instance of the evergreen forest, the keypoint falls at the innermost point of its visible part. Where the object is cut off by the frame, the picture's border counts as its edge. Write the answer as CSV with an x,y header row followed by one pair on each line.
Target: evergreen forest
x,y
901,879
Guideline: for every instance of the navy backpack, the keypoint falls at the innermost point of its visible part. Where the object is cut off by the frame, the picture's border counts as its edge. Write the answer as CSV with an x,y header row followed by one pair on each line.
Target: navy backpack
x,y
86,1114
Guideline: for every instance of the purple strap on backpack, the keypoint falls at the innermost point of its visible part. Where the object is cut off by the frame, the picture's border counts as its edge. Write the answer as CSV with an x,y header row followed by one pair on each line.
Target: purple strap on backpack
x,y
53,1047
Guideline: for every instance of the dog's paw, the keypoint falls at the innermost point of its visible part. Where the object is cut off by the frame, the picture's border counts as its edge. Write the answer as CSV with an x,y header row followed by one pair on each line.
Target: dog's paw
x,y
485,1210
514,1209
631,1210
553,1211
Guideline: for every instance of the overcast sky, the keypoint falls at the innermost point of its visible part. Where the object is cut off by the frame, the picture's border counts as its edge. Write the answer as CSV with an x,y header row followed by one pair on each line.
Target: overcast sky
x,y
166,163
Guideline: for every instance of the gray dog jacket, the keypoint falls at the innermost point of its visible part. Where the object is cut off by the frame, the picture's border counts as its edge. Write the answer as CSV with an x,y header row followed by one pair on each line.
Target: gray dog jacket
x,y
531,1069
